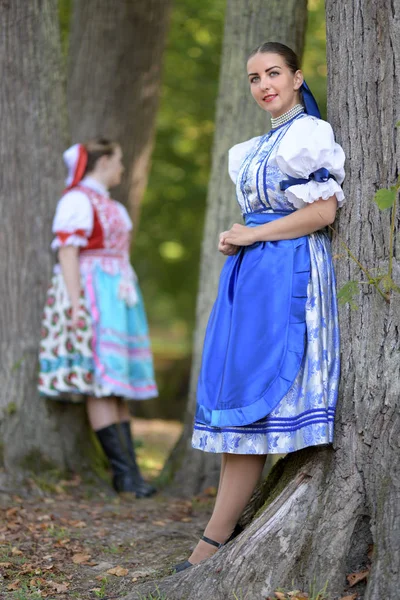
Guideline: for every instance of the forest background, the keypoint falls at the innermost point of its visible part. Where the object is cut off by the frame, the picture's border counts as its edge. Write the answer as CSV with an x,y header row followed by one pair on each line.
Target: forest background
x,y
166,250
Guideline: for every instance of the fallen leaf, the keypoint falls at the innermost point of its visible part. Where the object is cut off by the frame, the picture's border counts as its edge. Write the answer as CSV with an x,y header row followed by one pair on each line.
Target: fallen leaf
x,y
16,552
186,520
58,587
352,597
354,578
159,523
118,571
5,565
134,579
11,511
27,568
280,596
78,524
44,518
63,542
79,558
14,585
37,582
210,491
370,551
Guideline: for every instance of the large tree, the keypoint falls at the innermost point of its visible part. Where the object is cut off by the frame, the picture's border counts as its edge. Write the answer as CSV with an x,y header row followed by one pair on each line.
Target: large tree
x,y
115,56
329,512
247,25
33,135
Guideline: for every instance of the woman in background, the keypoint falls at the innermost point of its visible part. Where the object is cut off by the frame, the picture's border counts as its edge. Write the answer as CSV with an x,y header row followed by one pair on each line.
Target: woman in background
x,y
95,342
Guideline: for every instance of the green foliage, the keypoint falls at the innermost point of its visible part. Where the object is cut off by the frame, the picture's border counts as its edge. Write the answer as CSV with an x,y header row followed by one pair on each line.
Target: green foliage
x,y
383,282
167,248
385,198
347,292
314,59
64,11
11,408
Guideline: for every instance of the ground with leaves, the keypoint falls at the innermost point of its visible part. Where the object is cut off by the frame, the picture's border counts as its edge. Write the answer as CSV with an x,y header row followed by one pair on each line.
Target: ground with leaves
x,y
79,545
68,539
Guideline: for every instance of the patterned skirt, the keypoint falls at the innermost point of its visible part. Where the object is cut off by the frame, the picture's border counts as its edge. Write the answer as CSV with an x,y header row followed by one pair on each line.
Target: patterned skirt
x,y
108,353
305,414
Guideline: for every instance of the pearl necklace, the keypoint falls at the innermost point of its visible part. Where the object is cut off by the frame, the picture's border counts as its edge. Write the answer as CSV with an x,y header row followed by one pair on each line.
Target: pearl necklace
x,y
287,116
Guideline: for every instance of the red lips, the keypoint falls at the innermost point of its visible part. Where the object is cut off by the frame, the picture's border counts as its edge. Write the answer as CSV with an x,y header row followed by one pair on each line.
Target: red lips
x,y
270,97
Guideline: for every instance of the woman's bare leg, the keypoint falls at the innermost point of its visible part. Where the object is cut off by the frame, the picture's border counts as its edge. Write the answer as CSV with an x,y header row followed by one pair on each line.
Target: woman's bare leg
x,y
102,412
240,476
123,411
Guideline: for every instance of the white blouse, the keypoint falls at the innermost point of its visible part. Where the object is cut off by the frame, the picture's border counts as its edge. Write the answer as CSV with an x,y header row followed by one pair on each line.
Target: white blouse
x,y
307,145
74,215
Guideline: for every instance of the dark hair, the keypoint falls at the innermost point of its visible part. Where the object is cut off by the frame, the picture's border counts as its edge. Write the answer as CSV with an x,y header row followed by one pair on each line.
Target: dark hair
x,y
287,53
96,149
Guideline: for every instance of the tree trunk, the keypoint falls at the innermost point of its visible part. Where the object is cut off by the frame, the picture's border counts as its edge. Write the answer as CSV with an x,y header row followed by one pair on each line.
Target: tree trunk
x,y
325,507
115,56
33,128
247,24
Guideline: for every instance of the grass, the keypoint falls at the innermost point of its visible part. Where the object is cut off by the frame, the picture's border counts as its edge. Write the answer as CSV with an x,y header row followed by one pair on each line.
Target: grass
x,y
158,595
25,594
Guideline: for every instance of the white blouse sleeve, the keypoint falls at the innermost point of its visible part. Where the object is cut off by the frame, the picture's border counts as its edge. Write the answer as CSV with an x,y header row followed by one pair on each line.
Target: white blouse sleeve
x,y
73,221
309,145
236,156
125,216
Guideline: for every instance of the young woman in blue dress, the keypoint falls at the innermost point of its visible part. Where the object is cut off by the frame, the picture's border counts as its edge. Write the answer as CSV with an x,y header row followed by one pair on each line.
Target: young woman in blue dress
x,y
270,367
95,343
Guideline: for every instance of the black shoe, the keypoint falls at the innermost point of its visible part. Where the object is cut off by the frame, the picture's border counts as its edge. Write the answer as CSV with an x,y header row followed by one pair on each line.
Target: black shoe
x,y
125,478
126,435
237,531
182,566
185,565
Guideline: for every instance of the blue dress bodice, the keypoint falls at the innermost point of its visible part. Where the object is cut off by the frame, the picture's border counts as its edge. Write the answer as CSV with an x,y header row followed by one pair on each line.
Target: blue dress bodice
x,y
257,185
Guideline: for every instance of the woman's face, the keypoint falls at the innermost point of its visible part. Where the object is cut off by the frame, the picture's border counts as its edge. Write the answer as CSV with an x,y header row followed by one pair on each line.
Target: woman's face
x,y
112,168
272,84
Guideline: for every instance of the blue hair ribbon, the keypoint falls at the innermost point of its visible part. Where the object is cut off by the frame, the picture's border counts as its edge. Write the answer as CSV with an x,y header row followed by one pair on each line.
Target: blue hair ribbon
x,y
310,103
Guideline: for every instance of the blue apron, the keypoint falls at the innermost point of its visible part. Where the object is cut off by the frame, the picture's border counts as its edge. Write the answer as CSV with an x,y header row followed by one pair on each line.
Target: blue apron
x,y
256,334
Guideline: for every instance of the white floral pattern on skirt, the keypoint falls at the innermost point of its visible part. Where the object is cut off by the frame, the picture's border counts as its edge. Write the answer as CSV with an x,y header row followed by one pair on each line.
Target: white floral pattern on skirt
x,y
305,416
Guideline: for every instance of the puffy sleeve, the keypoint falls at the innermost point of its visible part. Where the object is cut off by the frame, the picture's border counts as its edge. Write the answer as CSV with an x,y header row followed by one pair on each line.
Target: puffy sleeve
x,y
125,216
308,147
73,221
236,156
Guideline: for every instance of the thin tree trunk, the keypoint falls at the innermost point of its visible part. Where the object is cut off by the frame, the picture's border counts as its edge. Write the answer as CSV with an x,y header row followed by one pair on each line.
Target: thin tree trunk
x,y
247,25
325,507
33,128
115,57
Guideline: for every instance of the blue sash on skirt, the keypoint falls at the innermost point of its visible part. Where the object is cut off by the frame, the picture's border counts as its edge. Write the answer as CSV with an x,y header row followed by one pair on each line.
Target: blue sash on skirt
x,y
256,334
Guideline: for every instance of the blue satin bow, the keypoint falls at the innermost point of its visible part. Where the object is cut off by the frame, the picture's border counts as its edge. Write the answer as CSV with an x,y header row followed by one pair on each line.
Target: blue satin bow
x,y
320,175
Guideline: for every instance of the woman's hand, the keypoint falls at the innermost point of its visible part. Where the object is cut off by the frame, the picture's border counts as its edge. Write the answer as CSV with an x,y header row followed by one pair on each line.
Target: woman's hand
x,y
75,316
239,235
226,249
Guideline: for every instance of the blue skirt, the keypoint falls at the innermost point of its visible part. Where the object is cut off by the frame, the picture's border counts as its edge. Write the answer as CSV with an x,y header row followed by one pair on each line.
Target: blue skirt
x,y
270,369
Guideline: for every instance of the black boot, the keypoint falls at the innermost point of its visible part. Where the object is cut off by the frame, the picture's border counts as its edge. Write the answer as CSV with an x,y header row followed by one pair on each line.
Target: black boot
x,y
126,435
124,478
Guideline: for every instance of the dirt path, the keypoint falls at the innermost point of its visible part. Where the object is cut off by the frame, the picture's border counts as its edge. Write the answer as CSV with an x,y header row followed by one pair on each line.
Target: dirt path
x,y
73,546
82,542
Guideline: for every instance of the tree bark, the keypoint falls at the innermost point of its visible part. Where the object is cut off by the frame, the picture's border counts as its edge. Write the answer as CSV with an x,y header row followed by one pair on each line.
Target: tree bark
x,y
247,25
325,507
33,133
115,57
